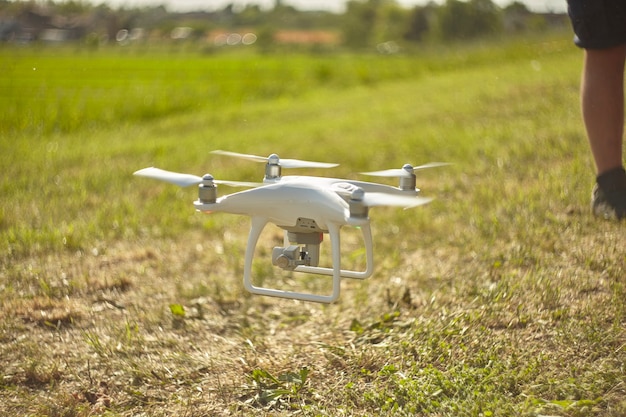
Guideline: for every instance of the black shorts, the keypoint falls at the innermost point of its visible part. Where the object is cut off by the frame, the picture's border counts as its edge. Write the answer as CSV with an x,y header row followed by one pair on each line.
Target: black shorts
x,y
598,24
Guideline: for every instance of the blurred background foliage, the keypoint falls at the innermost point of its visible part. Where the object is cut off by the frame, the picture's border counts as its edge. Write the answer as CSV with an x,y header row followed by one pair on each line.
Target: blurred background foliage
x,y
382,25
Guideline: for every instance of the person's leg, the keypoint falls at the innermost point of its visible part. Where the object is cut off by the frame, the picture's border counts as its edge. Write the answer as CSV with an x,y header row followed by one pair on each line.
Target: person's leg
x,y
602,102
602,97
600,29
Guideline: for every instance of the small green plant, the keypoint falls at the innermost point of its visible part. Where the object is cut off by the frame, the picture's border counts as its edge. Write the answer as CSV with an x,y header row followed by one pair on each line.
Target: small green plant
x,y
282,391
178,315
178,311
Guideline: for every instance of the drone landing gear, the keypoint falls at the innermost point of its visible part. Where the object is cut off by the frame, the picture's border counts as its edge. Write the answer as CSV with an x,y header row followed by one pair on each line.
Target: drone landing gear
x,y
295,258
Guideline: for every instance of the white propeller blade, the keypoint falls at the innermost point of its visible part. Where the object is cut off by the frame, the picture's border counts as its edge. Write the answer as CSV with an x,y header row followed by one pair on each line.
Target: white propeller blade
x,y
394,200
296,163
401,172
285,163
185,180
241,156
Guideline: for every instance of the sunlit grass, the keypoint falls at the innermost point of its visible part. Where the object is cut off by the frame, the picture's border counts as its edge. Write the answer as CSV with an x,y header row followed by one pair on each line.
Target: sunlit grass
x,y
502,297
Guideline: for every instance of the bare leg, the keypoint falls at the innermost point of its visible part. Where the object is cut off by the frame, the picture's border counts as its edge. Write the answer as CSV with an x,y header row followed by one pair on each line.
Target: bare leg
x,y
602,100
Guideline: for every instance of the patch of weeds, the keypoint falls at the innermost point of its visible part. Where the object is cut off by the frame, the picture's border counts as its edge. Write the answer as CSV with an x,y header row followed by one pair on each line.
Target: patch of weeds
x,y
97,344
127,340
283,392
459,390
573,408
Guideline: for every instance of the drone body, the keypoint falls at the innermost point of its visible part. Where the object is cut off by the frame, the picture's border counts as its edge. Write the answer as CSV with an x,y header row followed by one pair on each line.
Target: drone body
x,y
306,208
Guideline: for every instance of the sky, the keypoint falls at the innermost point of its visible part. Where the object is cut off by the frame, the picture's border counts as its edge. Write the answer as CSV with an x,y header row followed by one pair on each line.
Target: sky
x,y
332,5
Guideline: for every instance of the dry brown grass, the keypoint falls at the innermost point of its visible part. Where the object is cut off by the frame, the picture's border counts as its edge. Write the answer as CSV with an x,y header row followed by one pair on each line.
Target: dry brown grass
x,y
98,337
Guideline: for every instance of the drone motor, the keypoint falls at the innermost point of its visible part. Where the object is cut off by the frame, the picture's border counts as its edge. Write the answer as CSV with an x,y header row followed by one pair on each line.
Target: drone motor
x,y
272,168
207,190
408,182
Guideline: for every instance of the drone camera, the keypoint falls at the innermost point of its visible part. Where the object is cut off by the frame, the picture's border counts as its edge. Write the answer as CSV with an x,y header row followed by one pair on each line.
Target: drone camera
x,y
289,257
207,190
293,256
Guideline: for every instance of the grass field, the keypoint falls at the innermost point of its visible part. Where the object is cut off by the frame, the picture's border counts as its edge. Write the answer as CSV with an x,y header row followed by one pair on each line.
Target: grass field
x,y
502,297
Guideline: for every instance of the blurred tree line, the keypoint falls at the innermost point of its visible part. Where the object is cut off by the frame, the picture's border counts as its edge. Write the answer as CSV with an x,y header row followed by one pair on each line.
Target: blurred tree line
x,y
373,21
363,24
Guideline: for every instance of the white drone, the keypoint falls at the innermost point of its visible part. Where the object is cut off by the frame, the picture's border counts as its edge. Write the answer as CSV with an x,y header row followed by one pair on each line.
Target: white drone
x,y
305,208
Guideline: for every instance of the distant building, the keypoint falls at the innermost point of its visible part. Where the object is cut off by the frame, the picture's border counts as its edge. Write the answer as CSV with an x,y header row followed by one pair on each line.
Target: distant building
x,y
39,25
307,37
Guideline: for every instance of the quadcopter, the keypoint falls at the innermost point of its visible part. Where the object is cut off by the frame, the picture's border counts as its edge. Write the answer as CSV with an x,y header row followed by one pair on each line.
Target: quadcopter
x,y
305,208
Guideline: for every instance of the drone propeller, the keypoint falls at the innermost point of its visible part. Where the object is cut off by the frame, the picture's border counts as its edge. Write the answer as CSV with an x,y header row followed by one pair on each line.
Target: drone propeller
x,y
405,171
393,200
185,180
285,163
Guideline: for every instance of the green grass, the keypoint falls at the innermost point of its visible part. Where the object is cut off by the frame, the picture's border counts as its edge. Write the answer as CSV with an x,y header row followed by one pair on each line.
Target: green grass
x,y
502,297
